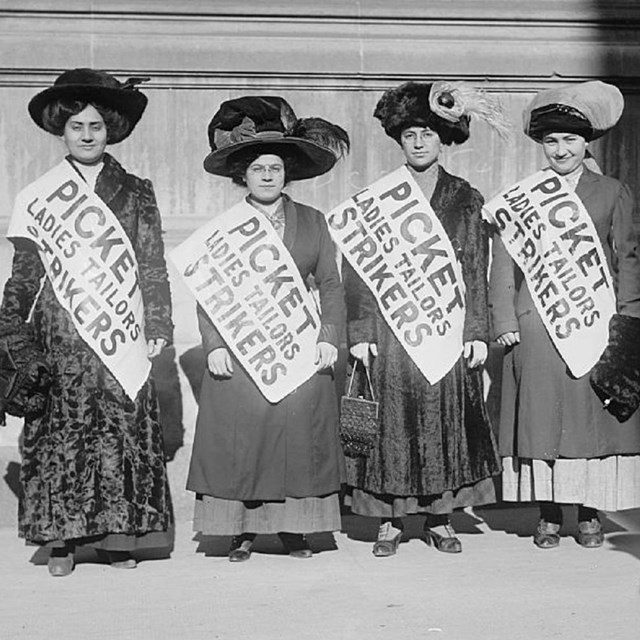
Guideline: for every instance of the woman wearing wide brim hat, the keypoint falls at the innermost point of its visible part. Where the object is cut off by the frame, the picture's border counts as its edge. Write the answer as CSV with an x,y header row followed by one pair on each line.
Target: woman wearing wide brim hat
x,y
560,445
436,451
259,467
93,469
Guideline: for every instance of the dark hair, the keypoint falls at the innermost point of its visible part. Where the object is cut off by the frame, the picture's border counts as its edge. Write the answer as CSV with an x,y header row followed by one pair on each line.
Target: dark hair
x,y
238,163
56,113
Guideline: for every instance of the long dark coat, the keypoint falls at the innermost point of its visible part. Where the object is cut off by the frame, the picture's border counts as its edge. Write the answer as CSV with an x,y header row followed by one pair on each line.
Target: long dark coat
x,y
547,413
94,463
433,438
246,448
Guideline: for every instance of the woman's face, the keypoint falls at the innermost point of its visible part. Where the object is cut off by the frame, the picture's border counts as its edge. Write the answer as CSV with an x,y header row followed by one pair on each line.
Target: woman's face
x,y
265,178
564,151
85,135
421,146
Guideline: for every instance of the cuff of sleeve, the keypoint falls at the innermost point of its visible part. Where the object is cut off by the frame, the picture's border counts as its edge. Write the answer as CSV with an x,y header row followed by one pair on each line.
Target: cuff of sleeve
x,y
505,326
328,333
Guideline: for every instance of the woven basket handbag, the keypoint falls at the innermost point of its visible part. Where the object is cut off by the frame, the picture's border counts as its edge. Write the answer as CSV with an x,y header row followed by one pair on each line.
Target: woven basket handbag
x,y
359,419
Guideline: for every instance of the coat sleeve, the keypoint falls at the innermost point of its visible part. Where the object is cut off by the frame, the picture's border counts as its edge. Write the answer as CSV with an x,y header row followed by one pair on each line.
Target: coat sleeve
x,y
211,339
330,288
475,254
362,308
502,290
624,240
154,281
22,287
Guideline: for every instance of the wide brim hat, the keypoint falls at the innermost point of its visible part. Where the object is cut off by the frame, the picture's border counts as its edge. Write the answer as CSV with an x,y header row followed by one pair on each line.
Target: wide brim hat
x,y
588,109
445,107
268,124
94,86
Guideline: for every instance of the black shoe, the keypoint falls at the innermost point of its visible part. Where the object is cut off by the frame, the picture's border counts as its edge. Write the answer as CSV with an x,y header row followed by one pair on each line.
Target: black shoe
x,y
61,562
240,549
388,540
295,544
547,535
447,542
590,533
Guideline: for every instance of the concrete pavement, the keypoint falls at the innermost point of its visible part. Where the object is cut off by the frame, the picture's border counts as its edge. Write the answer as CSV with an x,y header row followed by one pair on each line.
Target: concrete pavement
x,y
500,587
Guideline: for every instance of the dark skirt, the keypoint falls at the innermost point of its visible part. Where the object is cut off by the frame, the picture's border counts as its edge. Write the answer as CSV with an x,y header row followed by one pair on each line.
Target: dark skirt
x,y
246,448
546,412
433,438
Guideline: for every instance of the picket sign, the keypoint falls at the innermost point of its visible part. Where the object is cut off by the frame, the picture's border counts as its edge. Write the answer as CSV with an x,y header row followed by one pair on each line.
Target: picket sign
x,y
394,241
246,281
92,267
549,234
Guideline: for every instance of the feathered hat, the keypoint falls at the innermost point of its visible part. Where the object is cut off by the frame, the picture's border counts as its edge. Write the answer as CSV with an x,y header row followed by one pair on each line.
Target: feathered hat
x,y
588,109
444,107
269,124
92,85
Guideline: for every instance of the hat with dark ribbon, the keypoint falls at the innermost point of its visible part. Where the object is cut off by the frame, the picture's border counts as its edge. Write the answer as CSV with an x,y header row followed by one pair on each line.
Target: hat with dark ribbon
x,y
444,107
94,86
268,124
588,109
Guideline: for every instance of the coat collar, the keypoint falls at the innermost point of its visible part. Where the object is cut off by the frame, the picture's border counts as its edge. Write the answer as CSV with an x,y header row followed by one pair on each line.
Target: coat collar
x,y
290,221
110,179
587,183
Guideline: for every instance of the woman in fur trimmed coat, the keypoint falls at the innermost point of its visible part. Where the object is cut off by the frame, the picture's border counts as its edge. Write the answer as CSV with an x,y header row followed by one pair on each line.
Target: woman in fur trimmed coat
x,y
436,451
93,469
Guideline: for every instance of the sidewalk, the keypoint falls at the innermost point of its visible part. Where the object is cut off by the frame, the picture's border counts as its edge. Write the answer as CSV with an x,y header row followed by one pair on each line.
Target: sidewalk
x,y
500,587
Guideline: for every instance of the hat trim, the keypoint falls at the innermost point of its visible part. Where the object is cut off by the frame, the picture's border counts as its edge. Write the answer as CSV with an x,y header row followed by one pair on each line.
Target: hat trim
x,y
320,159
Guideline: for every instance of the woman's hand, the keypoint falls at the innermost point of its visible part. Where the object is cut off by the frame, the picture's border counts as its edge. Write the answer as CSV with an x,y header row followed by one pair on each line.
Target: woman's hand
x,y
476,353
509,338
155,346
362,350
219,363
326,355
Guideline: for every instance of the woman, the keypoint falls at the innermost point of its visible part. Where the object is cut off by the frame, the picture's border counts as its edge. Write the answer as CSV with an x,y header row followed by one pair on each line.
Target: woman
x,y
93,468
560,446
435,451
259,467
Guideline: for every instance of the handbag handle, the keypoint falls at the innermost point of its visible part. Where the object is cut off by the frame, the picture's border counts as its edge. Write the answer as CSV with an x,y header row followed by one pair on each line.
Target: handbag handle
x,y
353,373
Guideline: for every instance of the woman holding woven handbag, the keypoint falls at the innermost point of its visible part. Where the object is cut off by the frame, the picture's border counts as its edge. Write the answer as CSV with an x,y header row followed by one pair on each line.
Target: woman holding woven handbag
x,y
89,259
435,451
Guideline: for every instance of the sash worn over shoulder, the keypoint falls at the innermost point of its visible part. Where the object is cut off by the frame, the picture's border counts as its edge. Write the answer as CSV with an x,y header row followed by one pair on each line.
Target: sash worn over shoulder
x,y
394,241
92,267
551,237
246,281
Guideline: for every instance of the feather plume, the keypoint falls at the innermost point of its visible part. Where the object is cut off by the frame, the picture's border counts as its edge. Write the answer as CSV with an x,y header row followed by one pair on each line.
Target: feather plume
x,y
451,101
323,133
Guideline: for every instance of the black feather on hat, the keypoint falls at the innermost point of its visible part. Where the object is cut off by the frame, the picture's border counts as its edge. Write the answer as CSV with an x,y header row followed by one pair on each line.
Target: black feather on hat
x,y
92,85
253,122
444,107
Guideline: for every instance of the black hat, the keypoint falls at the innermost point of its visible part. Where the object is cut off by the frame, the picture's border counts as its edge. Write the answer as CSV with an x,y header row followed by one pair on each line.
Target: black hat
x,y
444,107
268,123
588,109
91,85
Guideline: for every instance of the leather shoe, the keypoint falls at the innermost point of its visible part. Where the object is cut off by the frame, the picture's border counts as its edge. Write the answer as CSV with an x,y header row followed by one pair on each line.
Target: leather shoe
x,y
590,533
447,542
240,549
295,544
61,566
121,560
547,535
388,540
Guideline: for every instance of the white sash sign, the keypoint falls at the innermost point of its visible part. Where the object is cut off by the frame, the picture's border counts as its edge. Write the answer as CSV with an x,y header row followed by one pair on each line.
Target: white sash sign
x,y
246,281
394,241
92,267
551,237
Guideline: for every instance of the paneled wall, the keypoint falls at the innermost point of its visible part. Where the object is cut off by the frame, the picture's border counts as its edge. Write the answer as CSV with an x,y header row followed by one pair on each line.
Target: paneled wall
x,y
331,59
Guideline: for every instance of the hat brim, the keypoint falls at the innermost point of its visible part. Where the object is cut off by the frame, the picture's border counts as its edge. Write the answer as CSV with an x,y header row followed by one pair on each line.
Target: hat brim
x,y
311,159
129,103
